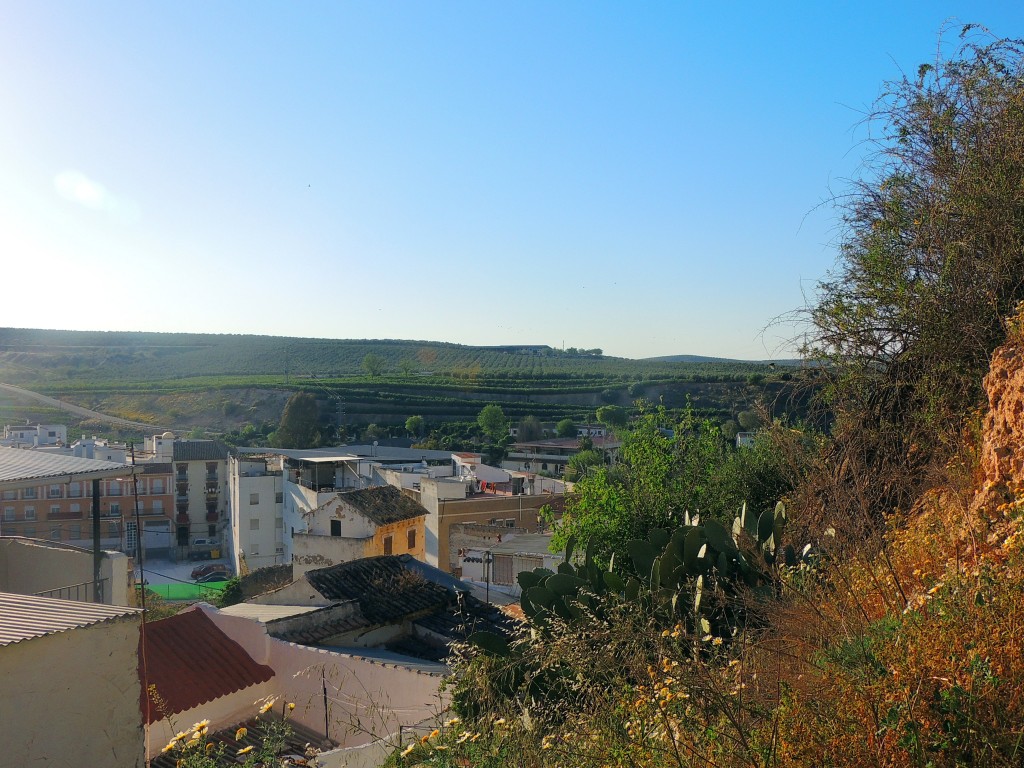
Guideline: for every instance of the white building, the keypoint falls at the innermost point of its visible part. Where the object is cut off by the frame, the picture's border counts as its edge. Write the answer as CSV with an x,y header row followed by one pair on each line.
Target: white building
x,y
35,436
256,491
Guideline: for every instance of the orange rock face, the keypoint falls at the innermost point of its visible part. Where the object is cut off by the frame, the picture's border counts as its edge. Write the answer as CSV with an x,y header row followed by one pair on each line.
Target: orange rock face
x,y
1002,450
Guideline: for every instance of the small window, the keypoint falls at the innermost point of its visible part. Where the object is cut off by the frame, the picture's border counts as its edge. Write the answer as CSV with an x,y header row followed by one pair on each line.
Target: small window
x,y
157,485
254,524
75,490
10,495
54,492
279,523
182,536
28,493
279,550
158,505
76,531
55,533
254,549
211,530
412,538
278,497
76,508
335,528
54,510
115,508
8,513
113,531
510,522
388,545
254,498
30,513
29,531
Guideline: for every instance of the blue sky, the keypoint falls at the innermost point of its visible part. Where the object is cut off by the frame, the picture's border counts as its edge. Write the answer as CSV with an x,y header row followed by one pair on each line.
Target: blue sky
x,y
644,178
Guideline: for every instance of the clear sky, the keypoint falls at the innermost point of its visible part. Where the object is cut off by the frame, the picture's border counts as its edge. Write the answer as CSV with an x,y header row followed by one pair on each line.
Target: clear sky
x,y
640,177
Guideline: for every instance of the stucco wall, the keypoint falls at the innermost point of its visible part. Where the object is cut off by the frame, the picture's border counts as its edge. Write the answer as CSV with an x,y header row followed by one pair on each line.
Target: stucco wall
x,y
27,568
367,699
72,699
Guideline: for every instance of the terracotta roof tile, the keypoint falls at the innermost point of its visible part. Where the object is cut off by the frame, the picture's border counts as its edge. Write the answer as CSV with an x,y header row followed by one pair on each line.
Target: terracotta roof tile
x,y
383,505
191,662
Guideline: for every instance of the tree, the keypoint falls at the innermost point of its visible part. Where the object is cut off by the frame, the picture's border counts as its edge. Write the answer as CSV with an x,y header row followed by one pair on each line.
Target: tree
x,y
566,428
529,429
493,422
407,365
581,462
931,266
749,420
373,364
299,427
612,416
414,425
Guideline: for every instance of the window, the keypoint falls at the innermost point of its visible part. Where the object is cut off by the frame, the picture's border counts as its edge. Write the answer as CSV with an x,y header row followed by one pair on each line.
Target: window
x,y
335,528
182,536
54,510
115,509
211,530
10,495
158,505
412,538
75,508
279,523
254,498
388,545
75,490
113,531
8,513
157,485
279,551
254,524
76,531
29,531
30,513
28,493
131,537
55,533
278,497
54,492
510,522
114,488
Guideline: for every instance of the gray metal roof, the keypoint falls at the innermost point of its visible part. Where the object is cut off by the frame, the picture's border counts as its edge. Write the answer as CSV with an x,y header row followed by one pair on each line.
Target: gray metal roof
x,y
22,466
23,617
354,452
265,613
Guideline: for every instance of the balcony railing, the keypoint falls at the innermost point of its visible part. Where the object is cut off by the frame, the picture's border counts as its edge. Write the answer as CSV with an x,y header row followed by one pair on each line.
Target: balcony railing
x,y
84,592
65,515
182,519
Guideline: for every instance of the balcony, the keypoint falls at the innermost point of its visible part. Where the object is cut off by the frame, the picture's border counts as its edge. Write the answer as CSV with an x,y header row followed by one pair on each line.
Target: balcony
x,y
182,519
212,517
65,515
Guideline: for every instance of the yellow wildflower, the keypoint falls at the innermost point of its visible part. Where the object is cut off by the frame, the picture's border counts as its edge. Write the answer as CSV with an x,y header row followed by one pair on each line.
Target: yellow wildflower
x,y
210,746
245,750
291,706
268,705
180,735
240,733
193,742
200,724
409,749
170,745
453,721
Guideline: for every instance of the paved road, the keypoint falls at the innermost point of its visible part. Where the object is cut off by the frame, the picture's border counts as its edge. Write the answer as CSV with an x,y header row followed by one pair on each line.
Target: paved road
x,y
79,410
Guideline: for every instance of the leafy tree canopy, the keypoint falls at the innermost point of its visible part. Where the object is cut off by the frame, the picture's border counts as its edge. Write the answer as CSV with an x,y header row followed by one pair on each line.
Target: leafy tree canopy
x,y
566,428
373,364
529,428
414,425
612,416
493,422
931,266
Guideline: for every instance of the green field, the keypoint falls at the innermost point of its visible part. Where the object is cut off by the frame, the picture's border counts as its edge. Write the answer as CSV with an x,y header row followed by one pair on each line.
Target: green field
x,y
221,382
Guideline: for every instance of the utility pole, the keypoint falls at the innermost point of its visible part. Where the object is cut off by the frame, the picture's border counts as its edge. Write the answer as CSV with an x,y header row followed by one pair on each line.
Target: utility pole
x,y
97,556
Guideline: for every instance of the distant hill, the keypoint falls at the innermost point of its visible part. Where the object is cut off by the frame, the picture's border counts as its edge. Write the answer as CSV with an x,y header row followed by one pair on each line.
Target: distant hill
x,y
702,359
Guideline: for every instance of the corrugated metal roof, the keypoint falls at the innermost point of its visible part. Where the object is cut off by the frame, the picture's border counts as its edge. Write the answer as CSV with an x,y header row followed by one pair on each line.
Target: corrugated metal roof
x,y
23,617
17,464
192,662
265,613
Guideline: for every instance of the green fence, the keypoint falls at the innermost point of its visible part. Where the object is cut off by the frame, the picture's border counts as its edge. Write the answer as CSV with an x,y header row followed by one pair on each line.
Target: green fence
x,y
188,591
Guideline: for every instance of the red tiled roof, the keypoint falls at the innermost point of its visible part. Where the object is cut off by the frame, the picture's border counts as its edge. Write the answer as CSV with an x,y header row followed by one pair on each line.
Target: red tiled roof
x,y
191,662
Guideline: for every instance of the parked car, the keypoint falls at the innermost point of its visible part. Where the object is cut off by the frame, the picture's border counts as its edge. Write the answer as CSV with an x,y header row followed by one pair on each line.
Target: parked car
x,y
206,570
211,578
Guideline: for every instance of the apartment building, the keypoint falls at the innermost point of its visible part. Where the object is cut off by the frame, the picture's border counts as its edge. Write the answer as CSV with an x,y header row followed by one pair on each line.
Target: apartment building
x,y
201,493
256,492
